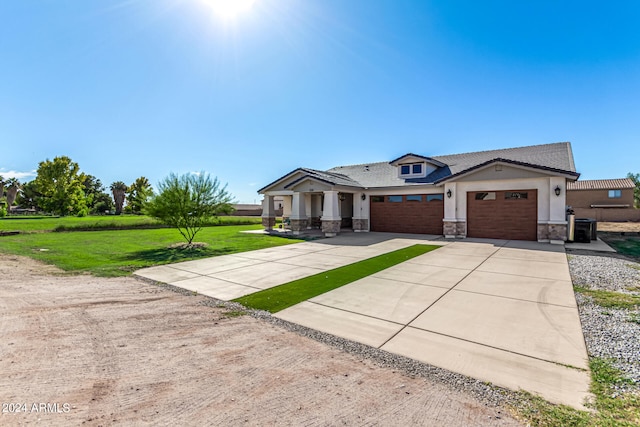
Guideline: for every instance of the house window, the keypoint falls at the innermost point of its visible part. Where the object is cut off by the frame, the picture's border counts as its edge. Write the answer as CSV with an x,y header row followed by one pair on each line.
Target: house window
x,y
508,195
377,199
435,197
395,199
414,198
486,196
615,194
412,170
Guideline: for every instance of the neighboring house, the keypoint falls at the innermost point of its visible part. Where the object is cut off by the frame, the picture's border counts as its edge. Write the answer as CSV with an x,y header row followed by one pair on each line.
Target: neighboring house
x,y
514,193
603,199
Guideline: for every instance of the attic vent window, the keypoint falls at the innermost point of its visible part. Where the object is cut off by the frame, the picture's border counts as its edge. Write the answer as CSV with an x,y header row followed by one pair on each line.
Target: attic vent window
x,y
413,169
366,168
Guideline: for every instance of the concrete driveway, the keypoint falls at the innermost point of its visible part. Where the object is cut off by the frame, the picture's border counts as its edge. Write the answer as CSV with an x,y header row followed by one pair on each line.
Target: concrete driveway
x,y
499,311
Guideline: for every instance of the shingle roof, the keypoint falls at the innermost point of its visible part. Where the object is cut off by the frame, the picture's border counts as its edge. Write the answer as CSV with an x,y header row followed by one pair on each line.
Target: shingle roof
x,y
557,156
601,184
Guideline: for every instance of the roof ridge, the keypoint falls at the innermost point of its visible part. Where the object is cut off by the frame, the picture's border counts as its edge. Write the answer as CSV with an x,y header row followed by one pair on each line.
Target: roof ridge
x,y
503,149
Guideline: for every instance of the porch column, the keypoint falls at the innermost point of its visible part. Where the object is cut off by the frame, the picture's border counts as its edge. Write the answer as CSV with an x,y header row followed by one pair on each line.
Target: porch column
x,y
453,225
286,207
331,219
268,213
298,213
360,217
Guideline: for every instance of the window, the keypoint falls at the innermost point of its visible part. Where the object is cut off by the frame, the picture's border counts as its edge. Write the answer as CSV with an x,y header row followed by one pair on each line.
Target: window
x,y
395,199
411,170
434,197
509,195
377,199
414,198
486,196
615,194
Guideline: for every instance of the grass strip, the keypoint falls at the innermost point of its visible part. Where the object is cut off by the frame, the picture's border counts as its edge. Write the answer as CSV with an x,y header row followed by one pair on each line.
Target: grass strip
x,y
610,299
288,294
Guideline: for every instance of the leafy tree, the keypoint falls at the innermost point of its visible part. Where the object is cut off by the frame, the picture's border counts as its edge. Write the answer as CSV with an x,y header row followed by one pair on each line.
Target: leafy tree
x,y
188,201
138,194
60,184
29,196
636,191
119,191
98,200
1,186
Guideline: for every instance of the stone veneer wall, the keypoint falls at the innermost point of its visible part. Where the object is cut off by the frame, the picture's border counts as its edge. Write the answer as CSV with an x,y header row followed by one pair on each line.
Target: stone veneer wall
x,y
268,222
552,232
298,225
331,227
455,228
360,224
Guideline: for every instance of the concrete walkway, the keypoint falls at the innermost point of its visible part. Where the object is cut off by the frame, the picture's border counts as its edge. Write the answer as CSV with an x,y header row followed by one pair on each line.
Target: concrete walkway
x,y
499,311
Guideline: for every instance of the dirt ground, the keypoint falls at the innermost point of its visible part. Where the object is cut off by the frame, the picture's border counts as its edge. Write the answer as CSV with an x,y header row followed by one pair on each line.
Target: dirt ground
x,y
80,350
619,226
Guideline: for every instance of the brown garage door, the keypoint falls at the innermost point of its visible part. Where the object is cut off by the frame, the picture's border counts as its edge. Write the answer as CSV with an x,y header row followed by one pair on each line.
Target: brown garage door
x,y
503,214
421,214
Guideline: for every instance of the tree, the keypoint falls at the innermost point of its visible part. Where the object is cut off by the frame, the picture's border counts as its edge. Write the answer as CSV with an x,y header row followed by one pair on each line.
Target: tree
x,y
98,200
119,191
59,182
636,191
13,186
138,194
188,201
29,196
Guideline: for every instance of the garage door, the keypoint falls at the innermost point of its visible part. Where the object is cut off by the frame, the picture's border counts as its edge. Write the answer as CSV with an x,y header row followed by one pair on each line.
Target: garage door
x,y
421,213
503,214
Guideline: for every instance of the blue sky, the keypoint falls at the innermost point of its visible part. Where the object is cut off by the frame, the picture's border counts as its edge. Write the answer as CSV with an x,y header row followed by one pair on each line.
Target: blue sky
x,y
131,88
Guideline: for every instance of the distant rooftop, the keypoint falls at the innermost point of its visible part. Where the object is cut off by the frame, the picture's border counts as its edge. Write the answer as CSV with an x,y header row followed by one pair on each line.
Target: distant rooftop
x,y
601,184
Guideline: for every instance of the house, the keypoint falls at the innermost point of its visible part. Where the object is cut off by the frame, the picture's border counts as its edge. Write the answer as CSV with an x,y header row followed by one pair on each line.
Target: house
x,y
603,199
514,193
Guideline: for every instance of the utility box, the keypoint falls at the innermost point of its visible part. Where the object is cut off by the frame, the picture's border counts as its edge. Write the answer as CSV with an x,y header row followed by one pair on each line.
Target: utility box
x,y
583,230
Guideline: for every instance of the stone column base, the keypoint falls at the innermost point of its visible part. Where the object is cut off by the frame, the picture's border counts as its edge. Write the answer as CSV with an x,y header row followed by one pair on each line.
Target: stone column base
x,y
268,222
454,229
331,227
298,225
360,225
554,233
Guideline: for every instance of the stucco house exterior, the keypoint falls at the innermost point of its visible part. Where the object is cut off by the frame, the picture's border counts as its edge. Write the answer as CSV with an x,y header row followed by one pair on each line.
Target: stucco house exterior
x,y
603,199
514,193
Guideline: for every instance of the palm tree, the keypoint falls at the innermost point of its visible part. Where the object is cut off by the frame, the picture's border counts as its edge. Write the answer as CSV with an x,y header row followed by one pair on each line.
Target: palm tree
x,y
12,191
119,191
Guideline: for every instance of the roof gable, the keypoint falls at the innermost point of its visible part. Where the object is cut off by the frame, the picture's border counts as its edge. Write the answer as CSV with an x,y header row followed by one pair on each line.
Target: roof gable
x,y
415,158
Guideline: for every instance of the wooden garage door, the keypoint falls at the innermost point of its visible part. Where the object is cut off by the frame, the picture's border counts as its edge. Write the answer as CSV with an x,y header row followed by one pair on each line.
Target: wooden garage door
x,y
503,214
421,214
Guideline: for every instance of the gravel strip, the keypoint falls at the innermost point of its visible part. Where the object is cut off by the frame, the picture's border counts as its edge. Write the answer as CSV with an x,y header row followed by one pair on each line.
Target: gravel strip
x,y
610,333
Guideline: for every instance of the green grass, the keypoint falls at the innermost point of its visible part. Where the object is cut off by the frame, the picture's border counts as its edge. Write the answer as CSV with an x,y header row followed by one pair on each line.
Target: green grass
x,y
611,407
104,222
610,299
625,245
119,252
283,296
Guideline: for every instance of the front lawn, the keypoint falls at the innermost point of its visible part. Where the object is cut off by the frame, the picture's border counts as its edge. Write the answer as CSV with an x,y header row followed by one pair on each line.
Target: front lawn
x,y
283,296
119,252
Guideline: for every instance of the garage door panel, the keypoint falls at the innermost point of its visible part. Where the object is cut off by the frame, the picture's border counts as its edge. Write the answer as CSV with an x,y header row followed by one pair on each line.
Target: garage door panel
x,y
407,216
503,214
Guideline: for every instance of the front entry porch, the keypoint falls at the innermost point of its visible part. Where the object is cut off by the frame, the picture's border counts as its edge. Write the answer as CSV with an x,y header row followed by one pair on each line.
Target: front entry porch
x,y
310,212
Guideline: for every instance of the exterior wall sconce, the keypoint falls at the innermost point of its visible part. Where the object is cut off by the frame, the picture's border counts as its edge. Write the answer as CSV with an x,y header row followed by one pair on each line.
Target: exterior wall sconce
x,y
557,190
449,193
342,197
363,197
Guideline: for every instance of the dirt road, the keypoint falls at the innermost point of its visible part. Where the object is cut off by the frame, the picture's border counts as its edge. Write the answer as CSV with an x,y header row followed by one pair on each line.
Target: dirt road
x,y
92,351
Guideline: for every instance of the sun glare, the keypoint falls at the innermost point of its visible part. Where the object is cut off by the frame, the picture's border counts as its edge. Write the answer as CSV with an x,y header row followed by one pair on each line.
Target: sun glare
x,y
229,9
